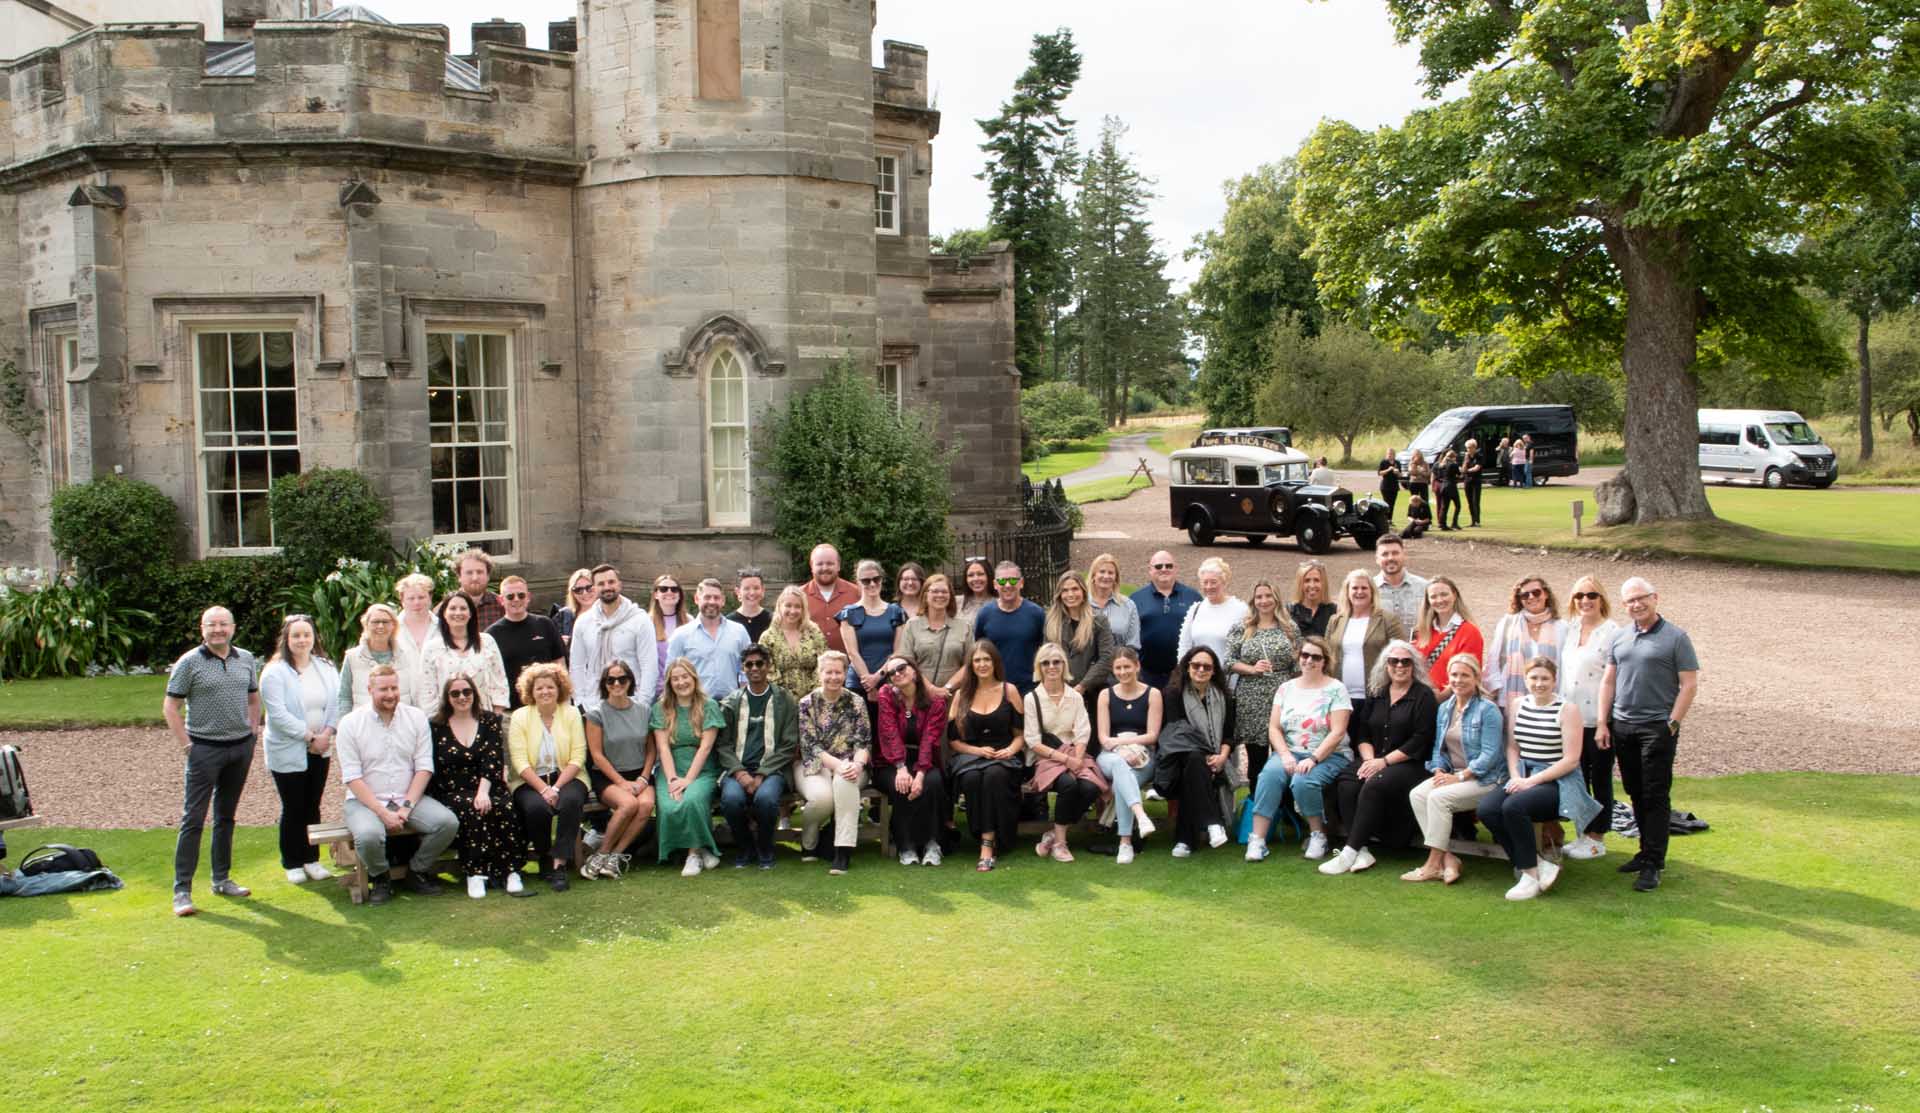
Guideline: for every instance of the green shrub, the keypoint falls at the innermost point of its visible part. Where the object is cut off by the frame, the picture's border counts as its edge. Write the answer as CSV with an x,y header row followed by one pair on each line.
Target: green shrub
x,y
119,533
326,515
846,468
1060,413
62,626
252,587
337,600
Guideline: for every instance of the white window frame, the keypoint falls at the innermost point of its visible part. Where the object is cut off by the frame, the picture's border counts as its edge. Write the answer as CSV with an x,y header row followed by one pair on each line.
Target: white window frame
x,y
738,358
203,506
509,534
892,380
886,172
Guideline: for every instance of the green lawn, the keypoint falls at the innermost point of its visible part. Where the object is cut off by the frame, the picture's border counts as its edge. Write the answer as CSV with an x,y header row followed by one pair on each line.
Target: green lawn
x,y
1834,528
1110,489
1083,454
1774,970
97,701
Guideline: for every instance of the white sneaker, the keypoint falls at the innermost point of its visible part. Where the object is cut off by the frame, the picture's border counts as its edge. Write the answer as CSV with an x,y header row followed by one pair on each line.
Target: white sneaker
x,y
1216,835
593,838
1182,850
1142,826
1256,850
933,857
1585,848
909,858
1549,873
476,887
1525,889
1124,855
1316,846
692,868
297,877
709,860
318,872
590,868
1340,863
514,885
1362,860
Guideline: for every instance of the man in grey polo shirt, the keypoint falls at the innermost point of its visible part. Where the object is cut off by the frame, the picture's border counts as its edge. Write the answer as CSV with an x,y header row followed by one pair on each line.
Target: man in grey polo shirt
x,y
213,710
1395,588
1649,684
386,760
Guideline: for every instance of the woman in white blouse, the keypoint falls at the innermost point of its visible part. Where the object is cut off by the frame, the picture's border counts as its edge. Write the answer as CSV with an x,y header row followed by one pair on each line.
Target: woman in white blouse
x,y
1057,732
416,630
1583,658
459,648
1210,621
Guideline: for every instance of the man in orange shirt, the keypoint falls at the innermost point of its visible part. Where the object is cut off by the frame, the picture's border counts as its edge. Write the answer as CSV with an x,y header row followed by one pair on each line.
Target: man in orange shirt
x,y
827,593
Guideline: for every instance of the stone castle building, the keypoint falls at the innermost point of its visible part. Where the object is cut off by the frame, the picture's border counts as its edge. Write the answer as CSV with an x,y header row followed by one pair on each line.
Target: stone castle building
x,y
542,298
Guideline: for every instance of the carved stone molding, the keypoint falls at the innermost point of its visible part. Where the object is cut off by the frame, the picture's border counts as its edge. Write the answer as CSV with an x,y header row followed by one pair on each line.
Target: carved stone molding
x,y
684,362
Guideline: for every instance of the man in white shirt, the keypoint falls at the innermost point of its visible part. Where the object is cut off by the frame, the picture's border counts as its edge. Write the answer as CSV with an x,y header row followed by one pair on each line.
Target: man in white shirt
x,y
386,760
1396,589
614,627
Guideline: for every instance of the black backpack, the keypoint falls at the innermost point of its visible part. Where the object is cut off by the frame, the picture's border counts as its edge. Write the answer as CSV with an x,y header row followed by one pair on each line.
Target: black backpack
x,y
14,801
60,858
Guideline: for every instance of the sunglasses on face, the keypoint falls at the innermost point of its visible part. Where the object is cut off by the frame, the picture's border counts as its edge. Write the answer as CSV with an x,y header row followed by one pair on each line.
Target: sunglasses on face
x,y
1163,568
1535,593
1008,581
869,580
514,595
460,693
1313,656
889,674
754,663
668,589
1399,662
619,678
1053,664
582,589
1199,666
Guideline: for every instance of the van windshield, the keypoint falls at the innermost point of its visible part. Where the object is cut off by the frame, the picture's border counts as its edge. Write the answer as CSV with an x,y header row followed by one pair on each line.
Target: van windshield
x,y
1438,436
1792,432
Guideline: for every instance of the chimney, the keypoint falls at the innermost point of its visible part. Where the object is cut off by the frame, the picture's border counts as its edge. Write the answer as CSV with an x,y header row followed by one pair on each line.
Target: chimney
x,y
497,30
564,35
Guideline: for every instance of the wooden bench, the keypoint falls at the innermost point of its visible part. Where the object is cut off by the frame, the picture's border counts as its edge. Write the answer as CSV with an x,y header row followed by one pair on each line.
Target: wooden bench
x,y
23,821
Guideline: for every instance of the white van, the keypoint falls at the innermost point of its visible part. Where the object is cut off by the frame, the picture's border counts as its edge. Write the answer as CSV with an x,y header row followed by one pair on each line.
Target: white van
x,y
1768,447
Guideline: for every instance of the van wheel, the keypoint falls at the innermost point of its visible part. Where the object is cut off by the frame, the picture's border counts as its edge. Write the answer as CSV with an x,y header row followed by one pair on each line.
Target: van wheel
x,y
1199,530
1313,537
1539,481
1256,538
1775,479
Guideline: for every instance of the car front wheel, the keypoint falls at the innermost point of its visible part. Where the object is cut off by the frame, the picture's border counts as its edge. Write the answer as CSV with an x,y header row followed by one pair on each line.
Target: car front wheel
x,y
1199,530
1313,536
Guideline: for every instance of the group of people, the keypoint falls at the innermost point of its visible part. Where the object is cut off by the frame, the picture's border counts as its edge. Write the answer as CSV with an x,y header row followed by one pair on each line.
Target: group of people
x,y
1437,489
1367,711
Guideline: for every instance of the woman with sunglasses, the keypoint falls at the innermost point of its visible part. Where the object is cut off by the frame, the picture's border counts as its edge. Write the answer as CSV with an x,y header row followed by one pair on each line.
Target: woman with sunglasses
x,y
1057,731
666,606
1446,631
620,765
976,589
913,718
301,706
836,744
1467,765
546,749
868,629
685,725
1583,661
1393,733
1531,628
1195,744
1128,718
795,642
1308,731
986,737
462,649
1260,658
469,755
1543,779
579,598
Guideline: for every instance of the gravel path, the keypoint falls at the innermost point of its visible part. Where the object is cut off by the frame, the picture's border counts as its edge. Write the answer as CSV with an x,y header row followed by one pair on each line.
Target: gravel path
x,y
1781,683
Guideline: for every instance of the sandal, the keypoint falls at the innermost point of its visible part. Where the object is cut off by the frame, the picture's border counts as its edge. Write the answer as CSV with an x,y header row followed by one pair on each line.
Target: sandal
x,y
1421,873
985,866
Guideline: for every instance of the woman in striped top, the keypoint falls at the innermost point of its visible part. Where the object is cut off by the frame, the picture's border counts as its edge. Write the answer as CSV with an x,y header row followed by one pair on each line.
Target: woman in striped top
x,y
1545,784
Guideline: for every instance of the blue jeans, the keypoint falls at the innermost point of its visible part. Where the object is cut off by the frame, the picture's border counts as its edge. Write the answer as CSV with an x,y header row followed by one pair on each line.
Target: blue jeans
x,y
1127,782
1309,789
766,812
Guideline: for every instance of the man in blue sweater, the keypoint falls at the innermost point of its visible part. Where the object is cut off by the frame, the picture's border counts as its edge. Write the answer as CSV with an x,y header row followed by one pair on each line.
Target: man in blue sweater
x,y
1015,626
1163,607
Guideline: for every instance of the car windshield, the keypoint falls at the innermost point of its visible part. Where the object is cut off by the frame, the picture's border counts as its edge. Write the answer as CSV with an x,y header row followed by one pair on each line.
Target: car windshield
x,y
1438,436
1792,432
1286,473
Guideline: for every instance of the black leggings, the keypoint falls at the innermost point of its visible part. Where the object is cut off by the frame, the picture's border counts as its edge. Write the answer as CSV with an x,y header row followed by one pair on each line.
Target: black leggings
x,y
1511,816
1382,797
300,796
993,804
1473,503
1199,799
1073,796
1450,499
1390,496
915,822
1596,765
536,819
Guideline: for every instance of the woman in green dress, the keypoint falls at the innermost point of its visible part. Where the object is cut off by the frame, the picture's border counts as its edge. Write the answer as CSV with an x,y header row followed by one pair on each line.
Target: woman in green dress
x,y
1260,656
684,724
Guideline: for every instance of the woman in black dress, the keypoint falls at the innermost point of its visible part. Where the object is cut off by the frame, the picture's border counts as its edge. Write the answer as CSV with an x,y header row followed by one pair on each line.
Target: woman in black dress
x,y
469,764
985,736
1389,472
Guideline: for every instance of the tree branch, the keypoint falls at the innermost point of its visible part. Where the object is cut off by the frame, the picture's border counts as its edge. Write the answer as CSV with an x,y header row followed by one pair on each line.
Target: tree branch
x,y
1808,91
1562,65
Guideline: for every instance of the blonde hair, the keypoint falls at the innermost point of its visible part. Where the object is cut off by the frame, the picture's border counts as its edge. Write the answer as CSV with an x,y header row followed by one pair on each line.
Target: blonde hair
x,y
414,580
573,581
1064,628
1344,604
545,670
1049,651
1216,564
1423,629
1280,615
799,597
926,596
670,700
366,619
1300,581
1606,608
831,656
1094,566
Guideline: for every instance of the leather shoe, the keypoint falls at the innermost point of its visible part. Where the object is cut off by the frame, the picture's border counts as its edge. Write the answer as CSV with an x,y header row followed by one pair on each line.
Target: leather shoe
x,y
1648,881
1632,865
423,884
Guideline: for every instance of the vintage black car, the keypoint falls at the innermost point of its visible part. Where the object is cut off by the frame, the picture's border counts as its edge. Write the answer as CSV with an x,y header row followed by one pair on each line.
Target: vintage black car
x,y
1255,487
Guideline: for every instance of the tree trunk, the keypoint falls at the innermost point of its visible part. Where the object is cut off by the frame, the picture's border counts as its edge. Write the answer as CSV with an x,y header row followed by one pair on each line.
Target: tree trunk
x,y
1661,480
1346,446
1866,390
1913,425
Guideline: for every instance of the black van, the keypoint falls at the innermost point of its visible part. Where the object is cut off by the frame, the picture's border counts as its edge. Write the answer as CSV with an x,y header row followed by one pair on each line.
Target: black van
x,y
1556,437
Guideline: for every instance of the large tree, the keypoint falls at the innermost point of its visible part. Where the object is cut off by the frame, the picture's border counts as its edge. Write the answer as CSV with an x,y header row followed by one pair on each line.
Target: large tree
x,y
1026,146
1617,185
1343,383
1253,270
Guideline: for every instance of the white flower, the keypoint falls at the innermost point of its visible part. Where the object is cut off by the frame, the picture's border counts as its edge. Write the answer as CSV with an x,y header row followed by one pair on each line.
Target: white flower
x,y
333,577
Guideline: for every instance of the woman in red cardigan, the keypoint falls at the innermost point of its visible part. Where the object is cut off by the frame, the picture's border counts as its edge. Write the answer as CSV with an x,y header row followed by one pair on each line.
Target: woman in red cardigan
x,y
911,718
1445,631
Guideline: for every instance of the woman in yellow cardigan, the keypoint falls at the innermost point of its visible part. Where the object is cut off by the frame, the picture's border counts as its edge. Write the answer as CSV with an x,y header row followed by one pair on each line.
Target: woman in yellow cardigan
x,y
546,751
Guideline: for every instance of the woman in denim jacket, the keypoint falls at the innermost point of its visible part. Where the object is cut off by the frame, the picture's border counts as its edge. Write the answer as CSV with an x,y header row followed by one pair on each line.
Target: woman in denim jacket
x,y
1468,763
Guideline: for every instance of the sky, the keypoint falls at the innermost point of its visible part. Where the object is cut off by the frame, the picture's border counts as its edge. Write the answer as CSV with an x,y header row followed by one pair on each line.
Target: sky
x,y
1209,89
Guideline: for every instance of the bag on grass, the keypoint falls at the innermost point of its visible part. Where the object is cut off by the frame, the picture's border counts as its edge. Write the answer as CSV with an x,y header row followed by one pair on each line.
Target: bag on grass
x,y
14,801
58,857
1685,823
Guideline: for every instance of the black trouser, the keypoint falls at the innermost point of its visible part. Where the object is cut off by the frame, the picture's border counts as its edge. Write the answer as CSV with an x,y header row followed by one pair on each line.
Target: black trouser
x,y
1199,799
1450,497
1473,502
1382,796
1646,769
1511,816
1072,797
993,804
1417,489
1389,495
915,822
536,819
216,774
1596,765
1257,755
300,795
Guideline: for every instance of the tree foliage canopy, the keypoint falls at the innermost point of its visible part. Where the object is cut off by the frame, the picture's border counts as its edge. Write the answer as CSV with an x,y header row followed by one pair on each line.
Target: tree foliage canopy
x,y
1343,383
1618,186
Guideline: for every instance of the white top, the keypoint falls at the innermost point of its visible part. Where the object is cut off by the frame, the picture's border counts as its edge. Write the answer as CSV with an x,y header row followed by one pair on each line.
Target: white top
x,y
385,755
1064,718
314,698
1581,666
483,666
1353,656
1209,624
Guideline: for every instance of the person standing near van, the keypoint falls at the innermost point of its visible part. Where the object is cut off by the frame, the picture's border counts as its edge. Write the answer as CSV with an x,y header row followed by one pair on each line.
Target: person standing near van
x,y
1446,488
1389,473
1523,461
1419,476
1470,476
1502,462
